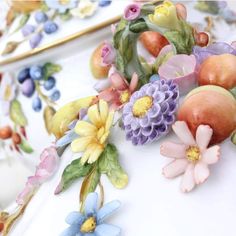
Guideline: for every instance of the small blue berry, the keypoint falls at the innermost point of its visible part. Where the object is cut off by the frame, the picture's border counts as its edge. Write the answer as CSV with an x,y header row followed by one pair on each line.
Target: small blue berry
x,y
49,83
27,30
35,40
104,3
36,72
50,27
55,95
154,78
28,87
40,17
37,104
23,75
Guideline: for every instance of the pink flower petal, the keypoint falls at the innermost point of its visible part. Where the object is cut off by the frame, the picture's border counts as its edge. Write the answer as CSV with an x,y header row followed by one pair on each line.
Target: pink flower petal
x,y
118,82
188,181
182,131
24,196
175,168
109,95
173,150
201,172
211,155
203,136
134,83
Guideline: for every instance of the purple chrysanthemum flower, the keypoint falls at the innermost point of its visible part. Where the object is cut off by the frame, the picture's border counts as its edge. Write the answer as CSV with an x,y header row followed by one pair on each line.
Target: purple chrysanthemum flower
x,y
150,112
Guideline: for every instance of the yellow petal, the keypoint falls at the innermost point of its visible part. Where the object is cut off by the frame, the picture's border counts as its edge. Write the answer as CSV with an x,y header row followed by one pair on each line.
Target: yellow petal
x,y
80,144
103,108
104,138
94,116
84,128
109,120
95,154
88,152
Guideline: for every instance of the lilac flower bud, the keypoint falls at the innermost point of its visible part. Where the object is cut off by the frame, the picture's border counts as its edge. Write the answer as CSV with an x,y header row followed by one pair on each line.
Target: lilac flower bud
x,y
27,30
132,12
35,40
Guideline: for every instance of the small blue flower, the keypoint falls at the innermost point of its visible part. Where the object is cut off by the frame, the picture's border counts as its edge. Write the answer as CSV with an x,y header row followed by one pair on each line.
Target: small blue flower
x,y
91,222
61,5
104,3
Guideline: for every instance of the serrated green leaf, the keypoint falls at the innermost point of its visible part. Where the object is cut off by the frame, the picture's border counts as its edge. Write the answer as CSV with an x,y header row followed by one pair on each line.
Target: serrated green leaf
x,y
109,164
50,69
72,172
16,113
25,146
138,26
24,19
89,184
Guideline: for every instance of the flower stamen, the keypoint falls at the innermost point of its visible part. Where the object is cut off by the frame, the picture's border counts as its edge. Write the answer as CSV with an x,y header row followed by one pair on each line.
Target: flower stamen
x,y
89,225
193,153
142,105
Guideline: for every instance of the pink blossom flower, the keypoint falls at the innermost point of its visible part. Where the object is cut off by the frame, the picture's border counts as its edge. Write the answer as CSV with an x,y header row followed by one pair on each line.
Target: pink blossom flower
x,y
46,168
120,90
108,54
191,157
132,12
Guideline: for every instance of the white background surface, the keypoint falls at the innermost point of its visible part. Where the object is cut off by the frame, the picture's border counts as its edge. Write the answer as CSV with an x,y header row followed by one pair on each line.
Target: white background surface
x,y
151,205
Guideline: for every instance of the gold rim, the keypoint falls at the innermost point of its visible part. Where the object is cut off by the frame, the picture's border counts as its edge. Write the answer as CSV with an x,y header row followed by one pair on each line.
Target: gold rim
x,y
61,41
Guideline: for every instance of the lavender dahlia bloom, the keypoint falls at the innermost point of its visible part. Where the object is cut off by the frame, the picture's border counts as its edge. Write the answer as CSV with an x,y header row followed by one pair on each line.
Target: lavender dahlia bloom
x,y
150,112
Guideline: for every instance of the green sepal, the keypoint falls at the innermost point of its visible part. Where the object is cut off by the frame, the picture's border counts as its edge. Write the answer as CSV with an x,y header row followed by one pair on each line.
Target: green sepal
x,y
138,26
25,146
50,69
233,138
65,16
16,113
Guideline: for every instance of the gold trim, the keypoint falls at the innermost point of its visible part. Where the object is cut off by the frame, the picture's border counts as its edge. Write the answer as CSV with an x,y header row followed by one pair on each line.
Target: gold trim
x,y
61,41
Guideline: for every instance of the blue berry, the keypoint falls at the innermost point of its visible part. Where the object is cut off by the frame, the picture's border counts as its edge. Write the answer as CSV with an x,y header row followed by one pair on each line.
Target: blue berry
x,y
23,75
55,95
154,77
28,87
49,83
37,104
40,17
50,27
104,3
27,30
36,72
35,40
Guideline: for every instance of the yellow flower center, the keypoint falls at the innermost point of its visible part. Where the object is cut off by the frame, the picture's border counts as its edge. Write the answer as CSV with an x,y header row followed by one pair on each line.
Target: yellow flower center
x,y
142,105
64,2
124,97
89,225
193,153
7,92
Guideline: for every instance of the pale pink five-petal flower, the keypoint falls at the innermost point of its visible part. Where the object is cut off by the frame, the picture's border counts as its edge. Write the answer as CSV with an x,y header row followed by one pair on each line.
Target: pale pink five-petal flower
x,y
191,157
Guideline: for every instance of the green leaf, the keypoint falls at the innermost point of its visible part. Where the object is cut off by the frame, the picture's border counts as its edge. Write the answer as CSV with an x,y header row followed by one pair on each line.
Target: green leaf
x,y
109,165
120,63
72,172
17,114
65,16
208,6
25,146
233,138
117,37
50,69
122,24
24,19
89,184
138,26
233,91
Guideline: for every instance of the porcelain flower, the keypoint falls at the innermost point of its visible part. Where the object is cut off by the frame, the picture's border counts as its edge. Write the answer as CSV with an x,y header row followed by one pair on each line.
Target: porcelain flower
x,y
92,220
85,9
191,157
108,54
46,168
182,69
7,92
132,12
165,16
61,5
93,134
150,112
119,91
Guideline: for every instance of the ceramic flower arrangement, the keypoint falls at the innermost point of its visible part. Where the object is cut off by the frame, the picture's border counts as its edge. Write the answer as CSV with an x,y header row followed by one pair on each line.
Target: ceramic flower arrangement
x,y
45,14
183,84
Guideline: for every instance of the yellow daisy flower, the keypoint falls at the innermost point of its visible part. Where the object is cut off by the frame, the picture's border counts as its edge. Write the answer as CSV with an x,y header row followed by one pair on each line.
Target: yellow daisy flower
x,y
93,134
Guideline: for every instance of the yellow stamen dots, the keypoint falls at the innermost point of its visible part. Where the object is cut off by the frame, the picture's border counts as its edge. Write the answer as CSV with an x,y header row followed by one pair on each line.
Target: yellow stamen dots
x,y
142,105
193,153
64,2
124,97
89,225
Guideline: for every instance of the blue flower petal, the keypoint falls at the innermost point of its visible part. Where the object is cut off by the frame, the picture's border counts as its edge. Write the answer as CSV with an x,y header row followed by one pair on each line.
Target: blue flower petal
x,y
66,139
107,230
107,210
75,218
91,204
89,234
73,230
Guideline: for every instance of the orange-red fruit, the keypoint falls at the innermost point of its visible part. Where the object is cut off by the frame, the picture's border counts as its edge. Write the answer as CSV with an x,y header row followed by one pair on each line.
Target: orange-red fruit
x,y
153,42
212,108
218,70
202,39
98,70
5,132
1,226
16,138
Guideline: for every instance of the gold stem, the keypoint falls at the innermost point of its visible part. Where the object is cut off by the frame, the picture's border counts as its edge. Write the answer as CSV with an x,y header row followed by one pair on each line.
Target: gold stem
x,y
42,96
101,193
